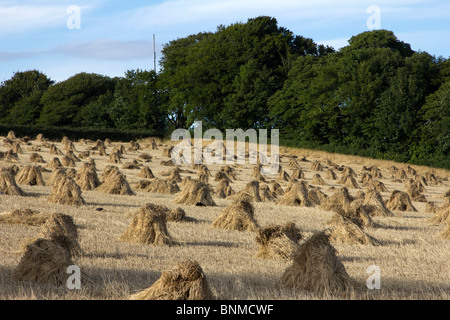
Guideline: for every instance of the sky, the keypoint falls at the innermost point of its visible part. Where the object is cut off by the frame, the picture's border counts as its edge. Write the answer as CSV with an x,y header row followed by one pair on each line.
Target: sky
x,y
64,37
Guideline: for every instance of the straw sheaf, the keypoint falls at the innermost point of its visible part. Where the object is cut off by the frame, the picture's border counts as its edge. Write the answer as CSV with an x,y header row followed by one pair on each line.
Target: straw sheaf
x,y
30,175
340,198
55,164
149,226
442,214
316,268
146,173
317,179
279,242
194,193
24,216
66,191
62,229
296,195
8,185
344,230
87,178
376,206
178,215
249,193
37,158
115,183
186,281
316,166
163,186
239,215
400,201
44,261
223,189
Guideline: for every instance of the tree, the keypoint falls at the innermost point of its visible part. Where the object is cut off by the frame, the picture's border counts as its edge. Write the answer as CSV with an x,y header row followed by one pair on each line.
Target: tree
x,y
137,102
20,97
379,39
225,78
63,102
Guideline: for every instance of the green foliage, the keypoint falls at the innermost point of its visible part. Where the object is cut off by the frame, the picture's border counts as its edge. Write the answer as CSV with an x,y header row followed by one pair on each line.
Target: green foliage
x,y
20,97
225,78
63,102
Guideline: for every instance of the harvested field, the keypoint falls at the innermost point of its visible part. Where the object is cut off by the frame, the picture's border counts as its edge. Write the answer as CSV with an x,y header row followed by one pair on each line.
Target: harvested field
x,y
411,248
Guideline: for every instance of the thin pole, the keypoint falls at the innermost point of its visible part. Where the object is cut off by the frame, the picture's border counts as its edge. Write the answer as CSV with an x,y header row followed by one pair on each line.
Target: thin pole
x,y
154,53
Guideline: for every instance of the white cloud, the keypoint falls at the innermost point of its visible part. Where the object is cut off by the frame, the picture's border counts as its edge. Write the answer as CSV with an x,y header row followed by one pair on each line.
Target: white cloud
x,y
181,12
109,50
35,15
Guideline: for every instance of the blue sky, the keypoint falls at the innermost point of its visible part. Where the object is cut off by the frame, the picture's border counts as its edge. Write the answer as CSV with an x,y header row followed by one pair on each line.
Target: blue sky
x,y
117,35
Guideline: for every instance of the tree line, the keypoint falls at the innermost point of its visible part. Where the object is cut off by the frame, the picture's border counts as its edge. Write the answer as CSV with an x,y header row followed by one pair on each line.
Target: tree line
x,y
374,97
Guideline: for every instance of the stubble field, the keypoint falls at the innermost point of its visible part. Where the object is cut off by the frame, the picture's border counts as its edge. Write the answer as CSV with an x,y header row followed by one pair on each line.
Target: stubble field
x,y
411,254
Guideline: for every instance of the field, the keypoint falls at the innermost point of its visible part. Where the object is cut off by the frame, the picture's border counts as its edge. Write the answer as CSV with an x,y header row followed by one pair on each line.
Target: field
x,y
411,254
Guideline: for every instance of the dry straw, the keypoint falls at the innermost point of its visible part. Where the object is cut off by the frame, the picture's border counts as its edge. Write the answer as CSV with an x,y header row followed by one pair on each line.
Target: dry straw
x,y
442,214
167,152
114,182
249,193
56,175
37,158
146,173
162,186
87,177
149,226
316,196
400,201
296,195
196,193
44,261
186,281
174,174
24,216
62,229
316,166
297,173
276,188
179,215
330,175
239,215
376,185
223,189
317,268
115,157
55,164
8,185
283,176
278,242
317,179
348,181
266,194
341,198
375,205
31,175
256,174
66,191
344,230
446,233
68,162
55,151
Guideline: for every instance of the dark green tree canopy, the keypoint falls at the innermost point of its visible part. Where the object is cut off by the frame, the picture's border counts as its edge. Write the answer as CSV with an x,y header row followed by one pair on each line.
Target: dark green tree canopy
x,y
225,78
63,101
380,39
20,97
